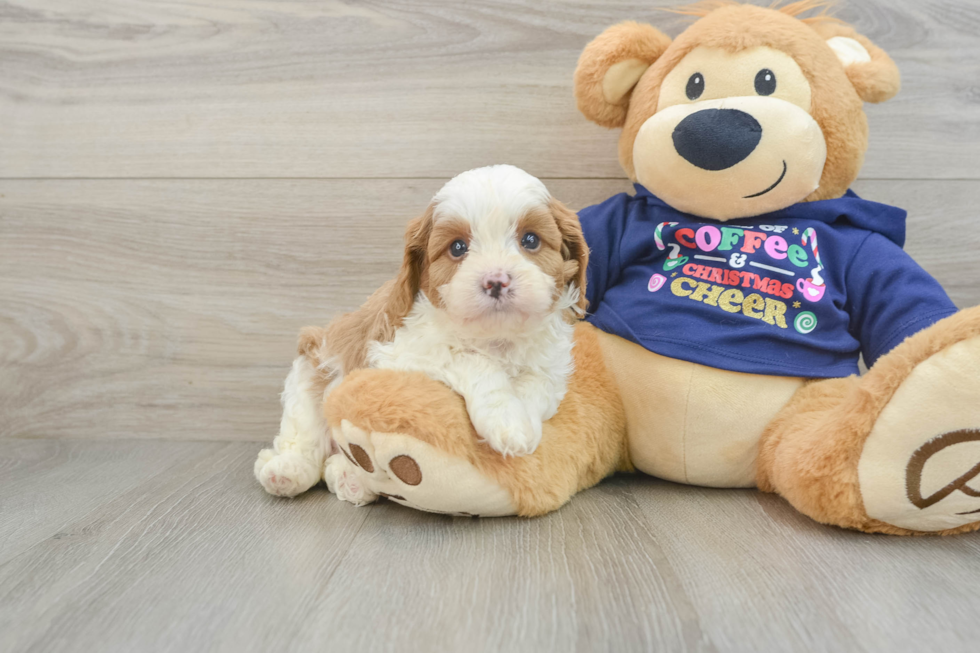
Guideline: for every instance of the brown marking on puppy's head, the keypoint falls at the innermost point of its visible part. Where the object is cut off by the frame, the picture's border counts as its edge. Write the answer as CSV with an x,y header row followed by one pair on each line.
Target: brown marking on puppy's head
x,y
442,259
747,111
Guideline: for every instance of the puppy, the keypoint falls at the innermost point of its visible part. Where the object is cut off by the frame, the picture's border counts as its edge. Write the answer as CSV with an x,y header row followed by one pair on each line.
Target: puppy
x,y
489,289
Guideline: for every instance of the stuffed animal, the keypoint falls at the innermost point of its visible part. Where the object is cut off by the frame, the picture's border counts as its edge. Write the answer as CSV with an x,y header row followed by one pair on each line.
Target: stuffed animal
x,y
729,301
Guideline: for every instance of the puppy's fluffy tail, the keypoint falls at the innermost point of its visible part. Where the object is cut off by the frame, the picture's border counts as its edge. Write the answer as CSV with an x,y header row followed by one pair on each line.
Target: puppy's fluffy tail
x,y
312,344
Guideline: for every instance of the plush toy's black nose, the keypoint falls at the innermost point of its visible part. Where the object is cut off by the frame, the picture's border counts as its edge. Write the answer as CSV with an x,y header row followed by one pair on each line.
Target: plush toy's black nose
x,y
715,139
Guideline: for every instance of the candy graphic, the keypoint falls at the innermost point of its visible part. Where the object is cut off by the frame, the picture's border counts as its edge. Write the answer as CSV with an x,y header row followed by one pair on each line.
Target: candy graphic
x,y
805,322
657,282
811,234
658,232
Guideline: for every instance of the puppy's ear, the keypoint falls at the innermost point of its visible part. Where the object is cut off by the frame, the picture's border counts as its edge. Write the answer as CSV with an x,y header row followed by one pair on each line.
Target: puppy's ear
x,y
349,336
573,249
871,71
611,65
409,280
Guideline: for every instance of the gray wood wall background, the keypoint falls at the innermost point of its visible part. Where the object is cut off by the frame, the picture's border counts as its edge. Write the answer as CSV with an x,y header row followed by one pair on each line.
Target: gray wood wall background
x,y
185,184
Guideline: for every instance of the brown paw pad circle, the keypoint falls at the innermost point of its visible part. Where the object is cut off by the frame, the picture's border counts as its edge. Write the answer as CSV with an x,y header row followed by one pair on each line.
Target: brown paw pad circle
x,y
406,469
361,458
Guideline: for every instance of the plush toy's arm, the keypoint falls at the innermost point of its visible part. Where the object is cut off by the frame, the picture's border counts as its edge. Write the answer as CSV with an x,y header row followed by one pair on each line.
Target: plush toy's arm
x,y
603,226
408,437
890,297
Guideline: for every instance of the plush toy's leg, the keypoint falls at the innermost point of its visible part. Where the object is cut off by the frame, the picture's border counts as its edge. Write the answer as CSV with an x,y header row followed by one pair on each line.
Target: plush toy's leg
x,y
895,451
409,439
294,464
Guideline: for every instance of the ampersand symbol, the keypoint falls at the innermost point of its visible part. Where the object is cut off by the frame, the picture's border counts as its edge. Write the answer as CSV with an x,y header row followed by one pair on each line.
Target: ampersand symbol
x,y
737,260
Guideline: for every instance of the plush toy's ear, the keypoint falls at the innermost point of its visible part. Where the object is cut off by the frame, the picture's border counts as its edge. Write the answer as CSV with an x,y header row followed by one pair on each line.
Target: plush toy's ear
x,y
872,72
611,65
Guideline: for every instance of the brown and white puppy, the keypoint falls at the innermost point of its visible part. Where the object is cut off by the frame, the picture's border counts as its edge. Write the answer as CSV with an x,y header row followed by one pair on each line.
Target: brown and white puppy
x,y
492,277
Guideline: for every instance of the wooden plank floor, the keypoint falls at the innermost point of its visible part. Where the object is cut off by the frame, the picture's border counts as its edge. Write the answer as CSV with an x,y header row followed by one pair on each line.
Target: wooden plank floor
x,y
171,546
185,184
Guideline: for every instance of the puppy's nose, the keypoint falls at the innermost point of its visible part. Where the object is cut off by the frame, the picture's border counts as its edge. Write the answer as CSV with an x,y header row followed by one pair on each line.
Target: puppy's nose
x,y
716,139
496,284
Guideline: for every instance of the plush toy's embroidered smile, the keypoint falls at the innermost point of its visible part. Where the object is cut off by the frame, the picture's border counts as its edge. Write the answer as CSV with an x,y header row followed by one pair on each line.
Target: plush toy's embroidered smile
x,y
776,183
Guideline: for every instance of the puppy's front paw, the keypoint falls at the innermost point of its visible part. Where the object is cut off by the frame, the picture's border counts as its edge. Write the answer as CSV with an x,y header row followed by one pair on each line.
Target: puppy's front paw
x,y
342,479
508,429
285,474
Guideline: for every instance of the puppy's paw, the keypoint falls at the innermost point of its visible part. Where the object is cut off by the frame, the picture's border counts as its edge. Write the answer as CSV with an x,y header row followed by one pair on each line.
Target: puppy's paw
x,y
508,429
342,479
285,474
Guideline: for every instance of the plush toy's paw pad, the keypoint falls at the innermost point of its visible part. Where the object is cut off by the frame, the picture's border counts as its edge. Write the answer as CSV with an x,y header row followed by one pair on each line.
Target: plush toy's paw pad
x,y
920,467
413,473
286,474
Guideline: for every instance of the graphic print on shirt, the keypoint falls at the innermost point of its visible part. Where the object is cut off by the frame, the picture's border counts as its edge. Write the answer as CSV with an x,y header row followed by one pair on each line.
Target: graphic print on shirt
x,y
733,260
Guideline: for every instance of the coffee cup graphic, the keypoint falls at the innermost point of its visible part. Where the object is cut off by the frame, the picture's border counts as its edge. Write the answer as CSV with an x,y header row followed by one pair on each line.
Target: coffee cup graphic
x,y
672,263
811,291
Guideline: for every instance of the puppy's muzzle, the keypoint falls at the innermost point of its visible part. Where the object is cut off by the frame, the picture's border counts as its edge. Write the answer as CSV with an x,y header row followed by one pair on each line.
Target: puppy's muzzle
x,y
496,284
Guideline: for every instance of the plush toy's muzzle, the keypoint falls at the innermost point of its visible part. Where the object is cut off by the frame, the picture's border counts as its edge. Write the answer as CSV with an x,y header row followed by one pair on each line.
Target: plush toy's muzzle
x,y
732,157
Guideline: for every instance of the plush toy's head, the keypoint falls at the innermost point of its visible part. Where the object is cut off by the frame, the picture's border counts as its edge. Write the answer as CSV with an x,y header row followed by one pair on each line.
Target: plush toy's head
x,y
749,110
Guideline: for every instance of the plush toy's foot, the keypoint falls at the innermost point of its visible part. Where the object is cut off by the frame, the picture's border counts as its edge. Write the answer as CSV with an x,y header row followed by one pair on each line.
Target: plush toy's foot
x,y
411,472
408,437
920,467
896,451
285,474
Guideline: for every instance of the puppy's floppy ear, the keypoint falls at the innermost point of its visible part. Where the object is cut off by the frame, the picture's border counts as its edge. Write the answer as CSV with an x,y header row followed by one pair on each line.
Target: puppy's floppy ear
x,y
871,71
573,249
347,339
409,280
611,65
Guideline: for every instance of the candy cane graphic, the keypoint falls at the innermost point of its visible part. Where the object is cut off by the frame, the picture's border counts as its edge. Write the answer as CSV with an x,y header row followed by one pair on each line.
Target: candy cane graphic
x,y
659,231
817,279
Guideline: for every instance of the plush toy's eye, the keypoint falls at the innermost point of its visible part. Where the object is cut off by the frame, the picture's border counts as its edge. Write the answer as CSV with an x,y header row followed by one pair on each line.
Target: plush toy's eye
x,y
765,82
695,86
458,248
530,241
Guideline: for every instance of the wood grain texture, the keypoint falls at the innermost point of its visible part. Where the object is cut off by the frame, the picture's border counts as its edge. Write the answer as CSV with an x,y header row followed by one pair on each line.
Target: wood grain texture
x,y
254,88
168,309
197,558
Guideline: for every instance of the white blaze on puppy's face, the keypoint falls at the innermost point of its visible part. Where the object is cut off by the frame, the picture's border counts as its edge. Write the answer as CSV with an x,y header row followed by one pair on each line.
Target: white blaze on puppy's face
x,y
487,258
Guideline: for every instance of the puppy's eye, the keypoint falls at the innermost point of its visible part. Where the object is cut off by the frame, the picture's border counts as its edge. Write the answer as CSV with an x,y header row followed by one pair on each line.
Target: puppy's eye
x,y
765,82
458,248
530,241
695,86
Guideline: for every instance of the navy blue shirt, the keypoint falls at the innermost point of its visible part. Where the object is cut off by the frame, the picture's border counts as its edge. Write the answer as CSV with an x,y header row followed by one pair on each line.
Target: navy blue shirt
x,y
797,292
